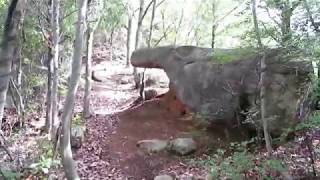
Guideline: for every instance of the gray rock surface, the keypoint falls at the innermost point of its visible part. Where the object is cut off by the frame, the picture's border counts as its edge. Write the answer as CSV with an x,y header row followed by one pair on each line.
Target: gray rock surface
x,y
152,145
182,146
77,135
163,177
226,92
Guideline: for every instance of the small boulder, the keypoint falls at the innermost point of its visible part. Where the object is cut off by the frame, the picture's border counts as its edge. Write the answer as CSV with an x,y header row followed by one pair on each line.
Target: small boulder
x,y
77,135
163,177
153,145
182,146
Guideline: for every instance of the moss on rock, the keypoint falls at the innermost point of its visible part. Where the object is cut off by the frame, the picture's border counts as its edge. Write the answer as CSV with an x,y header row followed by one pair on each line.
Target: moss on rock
x,y
223,56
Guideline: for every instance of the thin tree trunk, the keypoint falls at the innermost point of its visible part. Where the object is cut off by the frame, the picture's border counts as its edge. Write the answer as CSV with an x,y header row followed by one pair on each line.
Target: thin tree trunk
x,y
19,86
142,78
213,36
111,44
138,32
213,30
55,63
19,71
262,81
16,87
151,22
66,153
129,39
177,29
12,27
48,124
93,18
88,85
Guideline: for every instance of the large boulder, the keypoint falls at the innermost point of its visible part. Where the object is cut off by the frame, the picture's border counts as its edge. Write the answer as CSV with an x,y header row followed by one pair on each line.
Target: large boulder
x,y
223,86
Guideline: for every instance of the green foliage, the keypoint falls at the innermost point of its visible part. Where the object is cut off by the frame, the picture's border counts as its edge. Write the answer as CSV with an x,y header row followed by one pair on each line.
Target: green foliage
x,y
113,15
10,175
77,120
312,122
33,84
274,165
3,14
237,162
223,56
46,161
43,165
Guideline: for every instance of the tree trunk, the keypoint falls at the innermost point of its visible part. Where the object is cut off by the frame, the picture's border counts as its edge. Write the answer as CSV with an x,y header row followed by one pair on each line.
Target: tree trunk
x,y
88,85
129,39
138,32
66,153
177,29
262,81
213,36
55,63
111,44
15,82
12,28
213,30
151,22
286,25
48,124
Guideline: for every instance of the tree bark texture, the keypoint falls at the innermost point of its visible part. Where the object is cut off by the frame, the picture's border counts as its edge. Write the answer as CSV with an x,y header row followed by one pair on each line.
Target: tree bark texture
x,y
66,153
12,27
262,81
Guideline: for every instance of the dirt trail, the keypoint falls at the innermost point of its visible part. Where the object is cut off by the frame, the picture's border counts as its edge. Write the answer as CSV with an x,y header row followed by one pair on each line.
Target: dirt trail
x,y
110,151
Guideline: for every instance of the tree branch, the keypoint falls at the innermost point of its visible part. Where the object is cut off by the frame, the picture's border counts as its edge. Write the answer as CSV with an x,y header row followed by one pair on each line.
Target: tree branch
x,y
272,18
145,11
316,26
160,3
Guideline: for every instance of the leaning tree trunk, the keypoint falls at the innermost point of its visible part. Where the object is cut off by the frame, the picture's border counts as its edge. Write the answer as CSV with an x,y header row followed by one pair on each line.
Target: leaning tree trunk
x,y
55,63
262,81
12,27
66,153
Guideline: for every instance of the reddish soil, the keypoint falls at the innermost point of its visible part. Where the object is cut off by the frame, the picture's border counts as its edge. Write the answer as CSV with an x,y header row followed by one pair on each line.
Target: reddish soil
x,y
150,121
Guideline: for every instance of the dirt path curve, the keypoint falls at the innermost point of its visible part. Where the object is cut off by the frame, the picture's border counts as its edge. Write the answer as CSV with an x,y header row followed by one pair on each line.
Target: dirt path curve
x,y
109,151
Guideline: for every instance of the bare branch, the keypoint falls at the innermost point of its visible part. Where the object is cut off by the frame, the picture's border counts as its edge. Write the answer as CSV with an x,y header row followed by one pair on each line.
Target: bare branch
x,y
227,14
271,17
270,34
69,14
160,3
145,11
43,32
3,145
316,26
